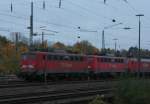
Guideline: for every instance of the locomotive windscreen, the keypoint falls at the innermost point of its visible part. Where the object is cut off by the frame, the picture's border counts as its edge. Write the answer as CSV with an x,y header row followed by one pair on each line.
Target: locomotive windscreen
x,y
31,56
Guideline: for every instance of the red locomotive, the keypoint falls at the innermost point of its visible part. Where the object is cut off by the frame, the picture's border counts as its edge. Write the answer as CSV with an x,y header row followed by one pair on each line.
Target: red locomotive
x,y
144,66
107,66
56,65
76,66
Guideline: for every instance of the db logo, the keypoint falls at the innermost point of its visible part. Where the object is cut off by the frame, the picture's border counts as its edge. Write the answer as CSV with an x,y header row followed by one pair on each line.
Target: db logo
x,y
114,66
145,65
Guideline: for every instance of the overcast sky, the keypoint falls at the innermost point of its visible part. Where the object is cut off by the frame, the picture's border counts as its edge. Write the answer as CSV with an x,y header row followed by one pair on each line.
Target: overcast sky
x,y
91,15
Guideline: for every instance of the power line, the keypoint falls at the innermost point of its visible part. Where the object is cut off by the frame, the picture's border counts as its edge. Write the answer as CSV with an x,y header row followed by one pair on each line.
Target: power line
x,y
133,8
88,10
2,20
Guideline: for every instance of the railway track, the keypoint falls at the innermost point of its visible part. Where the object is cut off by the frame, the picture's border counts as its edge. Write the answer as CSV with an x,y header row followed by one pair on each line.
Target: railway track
x,y
14,84
56,96
62,92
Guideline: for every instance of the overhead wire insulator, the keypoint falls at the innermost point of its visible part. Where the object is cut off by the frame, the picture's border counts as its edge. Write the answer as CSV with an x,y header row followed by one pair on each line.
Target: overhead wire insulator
x,y
59,3
125,1
43,5
11,7
104,1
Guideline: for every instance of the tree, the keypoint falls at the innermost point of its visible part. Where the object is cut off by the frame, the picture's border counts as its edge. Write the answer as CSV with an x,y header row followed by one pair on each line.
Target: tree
x,y
9,56
98,100
59,45
85,47
133,52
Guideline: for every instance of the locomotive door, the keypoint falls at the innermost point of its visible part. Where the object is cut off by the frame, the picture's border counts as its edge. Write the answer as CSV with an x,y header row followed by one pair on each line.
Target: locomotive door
x,y
91,64
41,63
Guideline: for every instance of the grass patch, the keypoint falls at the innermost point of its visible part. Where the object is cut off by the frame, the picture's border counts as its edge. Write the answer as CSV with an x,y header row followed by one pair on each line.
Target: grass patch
x,y
133,91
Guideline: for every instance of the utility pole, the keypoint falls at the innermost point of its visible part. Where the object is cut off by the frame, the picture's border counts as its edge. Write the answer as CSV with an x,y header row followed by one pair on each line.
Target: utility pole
x,y
103,41
31,27
139,50
17,38
43,39
103,33
115,44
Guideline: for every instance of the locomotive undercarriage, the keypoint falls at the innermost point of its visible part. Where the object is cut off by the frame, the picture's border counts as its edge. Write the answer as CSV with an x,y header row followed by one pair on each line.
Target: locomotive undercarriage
x,y
88,75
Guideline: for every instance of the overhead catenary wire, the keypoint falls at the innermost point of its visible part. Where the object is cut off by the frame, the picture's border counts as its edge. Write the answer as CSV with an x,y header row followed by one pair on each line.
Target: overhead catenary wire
x,y
37,20
20,17
47,22
135,11
55,23
89,11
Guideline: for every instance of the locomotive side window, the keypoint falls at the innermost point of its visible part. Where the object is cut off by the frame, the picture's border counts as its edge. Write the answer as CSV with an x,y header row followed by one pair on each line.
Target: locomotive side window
x,y
60,57
81,58
102,60
44,57
50,57
72,58
98,59
105,60
119,60
109,60
76,58
66,58
116,60
122,61
90,58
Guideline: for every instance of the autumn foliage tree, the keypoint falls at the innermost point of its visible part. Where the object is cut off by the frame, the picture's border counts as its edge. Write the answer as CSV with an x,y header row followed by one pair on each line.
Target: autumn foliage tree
x,y
9,56
85,47
59,45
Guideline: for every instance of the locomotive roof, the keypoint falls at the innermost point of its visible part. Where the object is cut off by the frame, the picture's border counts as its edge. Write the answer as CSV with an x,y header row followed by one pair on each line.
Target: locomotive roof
x,y
144,60
107,57
37,52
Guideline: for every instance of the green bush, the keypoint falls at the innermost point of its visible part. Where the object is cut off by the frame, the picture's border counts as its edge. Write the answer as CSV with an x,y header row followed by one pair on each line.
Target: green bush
x,y
133,91
98,100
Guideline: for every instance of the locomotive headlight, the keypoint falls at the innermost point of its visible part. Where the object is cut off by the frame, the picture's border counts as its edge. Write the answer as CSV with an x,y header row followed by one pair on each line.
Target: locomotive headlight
x,y
24,66
30,66
89,67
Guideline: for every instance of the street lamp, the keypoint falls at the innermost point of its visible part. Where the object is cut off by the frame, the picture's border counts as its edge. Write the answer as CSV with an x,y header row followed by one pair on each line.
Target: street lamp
x,y
139,50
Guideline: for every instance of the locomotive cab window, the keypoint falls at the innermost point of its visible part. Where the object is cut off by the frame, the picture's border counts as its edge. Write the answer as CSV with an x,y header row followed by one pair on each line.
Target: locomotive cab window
x,y
31,56
24,57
